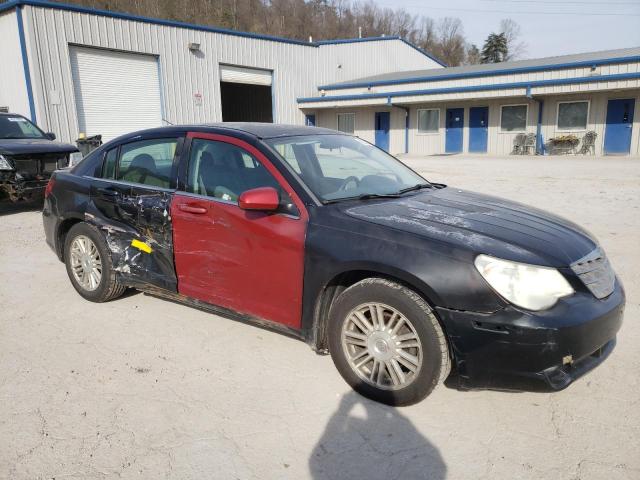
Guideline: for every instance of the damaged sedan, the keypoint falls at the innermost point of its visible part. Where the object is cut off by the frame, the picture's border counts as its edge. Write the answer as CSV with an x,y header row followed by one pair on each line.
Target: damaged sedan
x,y
322,236
28,157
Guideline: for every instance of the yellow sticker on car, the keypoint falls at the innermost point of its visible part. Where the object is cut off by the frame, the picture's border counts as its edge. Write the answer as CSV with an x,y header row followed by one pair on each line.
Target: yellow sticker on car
x,y
141,246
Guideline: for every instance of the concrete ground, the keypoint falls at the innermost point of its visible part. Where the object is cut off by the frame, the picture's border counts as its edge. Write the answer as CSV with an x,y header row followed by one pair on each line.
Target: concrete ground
x,y
144,388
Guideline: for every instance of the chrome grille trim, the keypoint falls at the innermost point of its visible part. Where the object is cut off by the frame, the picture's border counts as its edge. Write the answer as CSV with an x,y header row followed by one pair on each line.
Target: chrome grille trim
x,y
596,273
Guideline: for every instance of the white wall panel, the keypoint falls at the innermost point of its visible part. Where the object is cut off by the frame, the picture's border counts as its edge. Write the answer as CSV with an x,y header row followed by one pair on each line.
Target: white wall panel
x,y
187,76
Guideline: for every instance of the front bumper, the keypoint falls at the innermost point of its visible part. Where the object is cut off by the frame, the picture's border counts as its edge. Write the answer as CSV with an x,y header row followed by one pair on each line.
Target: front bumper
x,y
521,350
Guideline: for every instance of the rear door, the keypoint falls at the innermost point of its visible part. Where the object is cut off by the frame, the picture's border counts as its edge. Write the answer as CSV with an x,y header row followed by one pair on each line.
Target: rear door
x,y
247,261
130,204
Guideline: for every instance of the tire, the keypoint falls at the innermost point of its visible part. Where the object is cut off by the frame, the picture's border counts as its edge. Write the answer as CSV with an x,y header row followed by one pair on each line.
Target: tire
x,y
107,287
405,365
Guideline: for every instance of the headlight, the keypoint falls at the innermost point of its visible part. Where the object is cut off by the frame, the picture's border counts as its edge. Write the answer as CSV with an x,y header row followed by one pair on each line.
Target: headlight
x,y
75,158
5,164
527,286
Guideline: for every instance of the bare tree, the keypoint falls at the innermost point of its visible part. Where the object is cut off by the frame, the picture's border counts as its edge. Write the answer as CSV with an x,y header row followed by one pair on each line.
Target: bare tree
x,y
512,32
451,48
473,55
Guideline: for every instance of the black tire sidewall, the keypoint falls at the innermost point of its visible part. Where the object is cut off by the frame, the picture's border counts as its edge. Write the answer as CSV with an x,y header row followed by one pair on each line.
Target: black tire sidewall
x,y
413,308
100,294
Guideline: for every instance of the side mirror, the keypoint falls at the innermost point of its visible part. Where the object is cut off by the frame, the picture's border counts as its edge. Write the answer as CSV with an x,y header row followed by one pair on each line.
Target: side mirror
x,y
265,199
50,135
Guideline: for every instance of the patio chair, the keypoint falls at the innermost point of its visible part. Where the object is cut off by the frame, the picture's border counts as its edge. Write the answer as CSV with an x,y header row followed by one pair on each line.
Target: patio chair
x,y
589,143
518,144
529,144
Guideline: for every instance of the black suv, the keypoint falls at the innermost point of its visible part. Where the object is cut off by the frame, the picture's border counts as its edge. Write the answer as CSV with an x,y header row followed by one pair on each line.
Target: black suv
x,y
28,157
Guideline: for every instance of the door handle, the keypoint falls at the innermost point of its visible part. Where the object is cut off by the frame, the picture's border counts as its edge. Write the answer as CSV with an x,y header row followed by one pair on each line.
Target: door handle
x,y
192,209
108,192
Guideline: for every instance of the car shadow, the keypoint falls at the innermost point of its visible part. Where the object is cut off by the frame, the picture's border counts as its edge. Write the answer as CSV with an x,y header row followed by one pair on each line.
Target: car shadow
x,y
10,208
364,439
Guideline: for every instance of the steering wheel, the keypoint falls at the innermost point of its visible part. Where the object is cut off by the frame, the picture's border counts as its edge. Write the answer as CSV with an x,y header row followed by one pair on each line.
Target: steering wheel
x,y
348,181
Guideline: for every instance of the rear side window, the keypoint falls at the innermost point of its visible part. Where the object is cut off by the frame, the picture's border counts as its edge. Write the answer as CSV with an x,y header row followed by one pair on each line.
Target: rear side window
x,y
149,162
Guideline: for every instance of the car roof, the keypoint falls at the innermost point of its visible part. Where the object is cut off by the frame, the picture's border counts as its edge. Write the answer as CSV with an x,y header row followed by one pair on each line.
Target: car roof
x,y
256,129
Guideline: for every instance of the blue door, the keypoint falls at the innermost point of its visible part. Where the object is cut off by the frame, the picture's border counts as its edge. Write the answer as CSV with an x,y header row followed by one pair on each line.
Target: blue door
x,y
478,128
617,135
453,137
383,121
310,120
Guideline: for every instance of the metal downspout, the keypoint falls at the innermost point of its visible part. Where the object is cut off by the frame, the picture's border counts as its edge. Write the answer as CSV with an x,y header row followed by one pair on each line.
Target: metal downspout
x,y
25,64
539,139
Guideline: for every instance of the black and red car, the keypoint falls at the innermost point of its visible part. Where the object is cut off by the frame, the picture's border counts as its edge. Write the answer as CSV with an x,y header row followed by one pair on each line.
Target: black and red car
x,y
325,237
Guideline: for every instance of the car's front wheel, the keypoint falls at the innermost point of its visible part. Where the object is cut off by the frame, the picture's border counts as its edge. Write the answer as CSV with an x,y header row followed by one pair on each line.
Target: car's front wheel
x,y
89,265
386,342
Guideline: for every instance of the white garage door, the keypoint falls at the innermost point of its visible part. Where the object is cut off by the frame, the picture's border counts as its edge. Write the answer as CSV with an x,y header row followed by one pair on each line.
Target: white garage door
x,y
251,76
115,92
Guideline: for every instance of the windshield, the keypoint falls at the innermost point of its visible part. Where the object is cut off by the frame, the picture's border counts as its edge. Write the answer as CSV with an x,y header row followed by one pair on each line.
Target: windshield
x,y
337,167
18,127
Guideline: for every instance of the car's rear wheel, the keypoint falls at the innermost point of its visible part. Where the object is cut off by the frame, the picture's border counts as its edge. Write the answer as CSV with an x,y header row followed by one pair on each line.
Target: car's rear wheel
x,y
387,343
89,264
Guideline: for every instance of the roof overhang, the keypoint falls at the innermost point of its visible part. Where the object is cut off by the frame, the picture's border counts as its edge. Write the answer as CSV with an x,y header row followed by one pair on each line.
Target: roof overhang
x,y
539,87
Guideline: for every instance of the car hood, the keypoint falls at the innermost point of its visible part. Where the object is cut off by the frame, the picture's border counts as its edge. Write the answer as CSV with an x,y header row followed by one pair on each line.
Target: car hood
x,y
33,145
482,224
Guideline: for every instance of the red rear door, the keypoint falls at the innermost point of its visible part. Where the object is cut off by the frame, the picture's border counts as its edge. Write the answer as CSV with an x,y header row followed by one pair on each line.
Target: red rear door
x,y
250,262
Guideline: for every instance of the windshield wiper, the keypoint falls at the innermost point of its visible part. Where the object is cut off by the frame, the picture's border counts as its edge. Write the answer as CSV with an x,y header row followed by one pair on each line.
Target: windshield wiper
x,y
419,186
364,196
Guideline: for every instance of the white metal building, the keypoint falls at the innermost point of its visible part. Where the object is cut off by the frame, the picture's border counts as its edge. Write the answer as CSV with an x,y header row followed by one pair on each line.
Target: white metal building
x,y
73,69
485,108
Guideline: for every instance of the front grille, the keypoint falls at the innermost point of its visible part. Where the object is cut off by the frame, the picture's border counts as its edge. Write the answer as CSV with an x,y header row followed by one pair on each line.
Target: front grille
x,y
34,165
596,273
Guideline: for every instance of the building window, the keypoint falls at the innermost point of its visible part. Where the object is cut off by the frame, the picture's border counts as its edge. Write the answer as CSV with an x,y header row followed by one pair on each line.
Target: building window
x,y
513,118
573,115
428,120
347,122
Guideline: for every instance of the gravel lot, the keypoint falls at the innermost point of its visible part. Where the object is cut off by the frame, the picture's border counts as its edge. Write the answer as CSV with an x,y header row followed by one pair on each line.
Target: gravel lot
x,y
144,388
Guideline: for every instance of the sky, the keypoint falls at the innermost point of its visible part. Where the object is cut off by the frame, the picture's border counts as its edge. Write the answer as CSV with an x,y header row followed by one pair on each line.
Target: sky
x,y
549,27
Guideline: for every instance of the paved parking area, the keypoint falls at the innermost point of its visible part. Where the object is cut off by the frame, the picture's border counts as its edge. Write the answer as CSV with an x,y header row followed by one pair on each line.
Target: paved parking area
x,y
144,388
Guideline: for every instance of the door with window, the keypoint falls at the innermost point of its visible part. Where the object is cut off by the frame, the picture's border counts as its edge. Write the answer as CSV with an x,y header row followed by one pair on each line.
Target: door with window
x,y
248,261
132,197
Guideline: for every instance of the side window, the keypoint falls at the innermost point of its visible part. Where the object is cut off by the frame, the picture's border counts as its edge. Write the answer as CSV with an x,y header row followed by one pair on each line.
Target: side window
x,y
222,170
109,165
149,162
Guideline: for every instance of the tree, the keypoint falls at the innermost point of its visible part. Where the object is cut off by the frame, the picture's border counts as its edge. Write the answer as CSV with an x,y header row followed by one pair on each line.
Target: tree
x,y
473,55
495,48
451,42
512,32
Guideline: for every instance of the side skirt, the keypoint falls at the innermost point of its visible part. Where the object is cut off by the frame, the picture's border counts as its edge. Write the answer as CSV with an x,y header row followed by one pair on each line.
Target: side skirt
x,y
223,312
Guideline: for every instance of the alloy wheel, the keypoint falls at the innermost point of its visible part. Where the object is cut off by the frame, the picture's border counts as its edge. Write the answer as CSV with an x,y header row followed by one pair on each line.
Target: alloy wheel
x,y
382,346
86,264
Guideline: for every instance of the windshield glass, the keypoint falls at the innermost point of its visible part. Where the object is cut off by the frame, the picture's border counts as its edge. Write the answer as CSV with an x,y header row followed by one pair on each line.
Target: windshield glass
x,y
18,127
337,167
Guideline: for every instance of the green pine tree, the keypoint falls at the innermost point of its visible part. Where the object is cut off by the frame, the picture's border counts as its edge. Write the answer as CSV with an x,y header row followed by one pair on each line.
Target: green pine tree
x,y
495,48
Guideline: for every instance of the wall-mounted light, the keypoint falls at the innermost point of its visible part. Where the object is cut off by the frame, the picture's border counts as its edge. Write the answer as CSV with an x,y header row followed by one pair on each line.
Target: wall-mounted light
x,y
194,47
